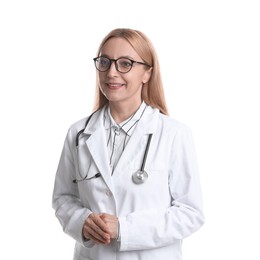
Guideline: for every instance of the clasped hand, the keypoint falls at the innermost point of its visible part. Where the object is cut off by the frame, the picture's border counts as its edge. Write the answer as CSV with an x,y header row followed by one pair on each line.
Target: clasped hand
x,y
101,228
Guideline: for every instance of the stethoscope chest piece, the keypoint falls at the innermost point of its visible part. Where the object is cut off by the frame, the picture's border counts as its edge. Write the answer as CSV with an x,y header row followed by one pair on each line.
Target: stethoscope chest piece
x,y
139,177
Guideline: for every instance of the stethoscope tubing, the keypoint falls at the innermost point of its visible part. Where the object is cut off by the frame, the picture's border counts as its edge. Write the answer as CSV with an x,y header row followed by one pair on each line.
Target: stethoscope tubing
x,y
83,129
140,172
146,152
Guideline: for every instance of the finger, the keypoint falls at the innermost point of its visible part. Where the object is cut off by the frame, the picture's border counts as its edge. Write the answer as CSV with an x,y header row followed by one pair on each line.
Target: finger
x,y
91,228
100,223
94,234
112,224
96,241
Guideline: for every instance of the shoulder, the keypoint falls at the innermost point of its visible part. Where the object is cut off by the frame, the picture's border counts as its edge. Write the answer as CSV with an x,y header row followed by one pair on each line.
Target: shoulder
x,y
165,125
78,125
177,133
87,124
83,122
172,124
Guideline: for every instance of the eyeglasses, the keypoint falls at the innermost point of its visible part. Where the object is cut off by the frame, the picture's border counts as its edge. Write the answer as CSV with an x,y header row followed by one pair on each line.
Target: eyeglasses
x,y
123,65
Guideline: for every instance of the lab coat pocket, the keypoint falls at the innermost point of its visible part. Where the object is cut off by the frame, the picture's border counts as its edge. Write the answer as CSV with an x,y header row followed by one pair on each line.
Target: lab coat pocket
x,y
151,191
157,177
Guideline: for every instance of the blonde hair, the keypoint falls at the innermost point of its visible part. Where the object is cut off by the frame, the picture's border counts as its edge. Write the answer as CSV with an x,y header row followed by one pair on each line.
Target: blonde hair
x,y
152,91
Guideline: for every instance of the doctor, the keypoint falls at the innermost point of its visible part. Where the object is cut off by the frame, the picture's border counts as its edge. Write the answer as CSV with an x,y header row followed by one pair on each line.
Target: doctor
x,y
127,184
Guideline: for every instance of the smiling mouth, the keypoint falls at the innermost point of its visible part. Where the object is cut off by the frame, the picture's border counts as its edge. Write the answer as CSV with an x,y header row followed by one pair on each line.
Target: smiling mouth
x,y
114,85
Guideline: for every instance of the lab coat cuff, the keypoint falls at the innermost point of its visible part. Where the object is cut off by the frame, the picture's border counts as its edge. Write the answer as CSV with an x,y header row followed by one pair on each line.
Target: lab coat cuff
x,y
80,238
123,236
118,232
86,242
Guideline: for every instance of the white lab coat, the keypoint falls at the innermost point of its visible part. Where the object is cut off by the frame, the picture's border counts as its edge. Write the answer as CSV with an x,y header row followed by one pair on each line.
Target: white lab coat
x,y
154,216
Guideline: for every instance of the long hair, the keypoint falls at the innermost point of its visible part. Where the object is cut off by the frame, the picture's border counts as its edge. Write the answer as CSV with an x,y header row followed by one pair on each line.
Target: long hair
x,y
152,91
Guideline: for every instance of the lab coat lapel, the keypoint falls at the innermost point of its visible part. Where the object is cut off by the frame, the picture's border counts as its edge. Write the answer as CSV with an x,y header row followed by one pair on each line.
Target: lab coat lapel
x,y
97,146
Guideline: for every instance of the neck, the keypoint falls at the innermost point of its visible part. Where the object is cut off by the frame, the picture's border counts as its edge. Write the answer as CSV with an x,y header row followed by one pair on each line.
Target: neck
x,y
121,112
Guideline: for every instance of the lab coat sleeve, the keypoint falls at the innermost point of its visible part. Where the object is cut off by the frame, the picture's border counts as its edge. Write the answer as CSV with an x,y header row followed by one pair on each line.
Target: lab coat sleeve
x,y
147,229
66,202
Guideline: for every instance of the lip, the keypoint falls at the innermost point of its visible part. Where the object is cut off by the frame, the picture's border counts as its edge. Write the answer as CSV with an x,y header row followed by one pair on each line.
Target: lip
x,y
113,85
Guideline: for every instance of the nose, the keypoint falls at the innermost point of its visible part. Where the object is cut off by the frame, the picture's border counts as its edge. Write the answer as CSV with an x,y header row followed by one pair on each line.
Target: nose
x,y
112,70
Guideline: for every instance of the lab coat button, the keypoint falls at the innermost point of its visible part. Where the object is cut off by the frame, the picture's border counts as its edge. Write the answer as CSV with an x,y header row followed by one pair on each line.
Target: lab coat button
x,y
109,193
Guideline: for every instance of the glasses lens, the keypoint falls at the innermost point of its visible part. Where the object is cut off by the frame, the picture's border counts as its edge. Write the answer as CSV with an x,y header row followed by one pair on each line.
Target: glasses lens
x,y
124,65
102,63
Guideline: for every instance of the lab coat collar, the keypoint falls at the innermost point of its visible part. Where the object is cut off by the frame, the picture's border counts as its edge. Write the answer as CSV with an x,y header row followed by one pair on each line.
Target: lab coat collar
x,y
128,125
95,122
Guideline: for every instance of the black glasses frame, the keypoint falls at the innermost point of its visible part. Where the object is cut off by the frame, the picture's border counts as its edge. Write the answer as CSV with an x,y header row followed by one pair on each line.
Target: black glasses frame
x,y
116,65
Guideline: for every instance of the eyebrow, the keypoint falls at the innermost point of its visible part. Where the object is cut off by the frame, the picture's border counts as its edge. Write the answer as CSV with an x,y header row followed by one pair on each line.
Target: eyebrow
x,y
126,57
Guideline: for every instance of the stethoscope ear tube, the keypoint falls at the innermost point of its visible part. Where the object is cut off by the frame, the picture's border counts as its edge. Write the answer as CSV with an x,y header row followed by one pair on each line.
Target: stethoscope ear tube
x,y
82,130
97,175
77,136
77,144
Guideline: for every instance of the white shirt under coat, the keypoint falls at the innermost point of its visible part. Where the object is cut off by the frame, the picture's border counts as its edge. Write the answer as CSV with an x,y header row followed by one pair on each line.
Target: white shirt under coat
x,y
118,135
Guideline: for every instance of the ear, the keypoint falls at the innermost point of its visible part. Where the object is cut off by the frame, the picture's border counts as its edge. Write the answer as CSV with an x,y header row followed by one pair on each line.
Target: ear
x,y
147,75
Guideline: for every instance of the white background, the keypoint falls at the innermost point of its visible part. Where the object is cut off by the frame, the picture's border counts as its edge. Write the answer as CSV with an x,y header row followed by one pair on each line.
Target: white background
x,y
210,60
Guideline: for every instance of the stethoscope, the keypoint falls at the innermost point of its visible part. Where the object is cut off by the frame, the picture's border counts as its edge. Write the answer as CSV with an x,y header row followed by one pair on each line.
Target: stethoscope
x,y
138,177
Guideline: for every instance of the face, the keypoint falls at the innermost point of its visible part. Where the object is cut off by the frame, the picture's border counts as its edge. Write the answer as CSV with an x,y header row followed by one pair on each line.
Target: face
x,y
122,87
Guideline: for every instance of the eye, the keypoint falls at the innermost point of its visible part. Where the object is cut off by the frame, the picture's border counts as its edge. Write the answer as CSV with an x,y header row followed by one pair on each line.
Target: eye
x,y
125,63
104,62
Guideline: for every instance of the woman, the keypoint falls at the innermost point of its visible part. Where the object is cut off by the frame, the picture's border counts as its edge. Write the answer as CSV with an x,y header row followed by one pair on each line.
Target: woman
x,y
127,185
